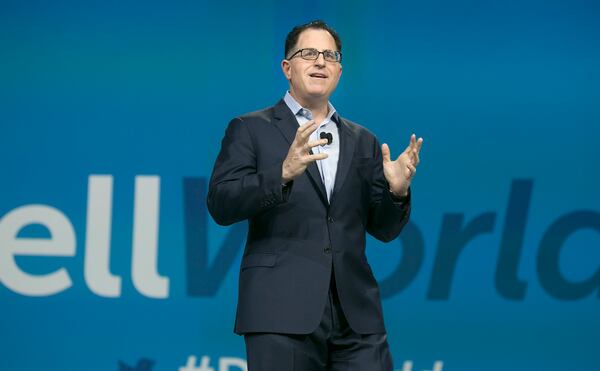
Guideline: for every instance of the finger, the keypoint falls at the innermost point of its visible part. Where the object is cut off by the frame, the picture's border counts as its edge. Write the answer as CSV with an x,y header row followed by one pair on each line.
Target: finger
x,y
305,126
406,153
317,156
385,152
307,130
413,140
412,170
419,144
414,157
315,143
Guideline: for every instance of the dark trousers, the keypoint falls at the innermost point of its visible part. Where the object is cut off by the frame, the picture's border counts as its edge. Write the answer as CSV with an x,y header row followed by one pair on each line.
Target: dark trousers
x,y
333,346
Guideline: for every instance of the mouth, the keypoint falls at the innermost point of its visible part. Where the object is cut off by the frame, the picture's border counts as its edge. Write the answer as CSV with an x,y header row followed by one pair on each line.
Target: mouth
x,y
317,75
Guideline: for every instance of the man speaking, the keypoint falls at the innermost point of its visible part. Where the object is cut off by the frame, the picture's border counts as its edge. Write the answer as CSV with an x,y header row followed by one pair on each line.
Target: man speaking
x,y
310,183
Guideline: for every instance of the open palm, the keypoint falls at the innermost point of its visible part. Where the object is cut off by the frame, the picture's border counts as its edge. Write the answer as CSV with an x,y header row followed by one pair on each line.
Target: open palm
x,y
400,172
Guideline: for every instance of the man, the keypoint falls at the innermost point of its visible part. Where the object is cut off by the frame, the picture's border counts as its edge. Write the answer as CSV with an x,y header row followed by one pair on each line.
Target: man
x,y
310,184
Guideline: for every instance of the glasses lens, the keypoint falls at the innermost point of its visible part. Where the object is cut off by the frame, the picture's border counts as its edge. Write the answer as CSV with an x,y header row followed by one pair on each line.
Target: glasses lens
x,y
310,53
330,56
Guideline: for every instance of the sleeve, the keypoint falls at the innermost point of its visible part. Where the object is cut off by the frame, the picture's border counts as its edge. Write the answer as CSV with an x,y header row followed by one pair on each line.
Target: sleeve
x,y
237,190
387,213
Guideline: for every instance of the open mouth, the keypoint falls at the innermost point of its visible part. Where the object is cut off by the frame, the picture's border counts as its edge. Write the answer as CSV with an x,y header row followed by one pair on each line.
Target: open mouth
x,y
318,75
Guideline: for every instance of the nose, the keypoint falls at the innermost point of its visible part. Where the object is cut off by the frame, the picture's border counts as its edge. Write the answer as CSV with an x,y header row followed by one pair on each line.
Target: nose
x,y
320,61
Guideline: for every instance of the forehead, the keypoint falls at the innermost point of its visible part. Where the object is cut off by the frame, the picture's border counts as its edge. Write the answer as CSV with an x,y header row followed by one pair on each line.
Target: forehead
x,y
316,38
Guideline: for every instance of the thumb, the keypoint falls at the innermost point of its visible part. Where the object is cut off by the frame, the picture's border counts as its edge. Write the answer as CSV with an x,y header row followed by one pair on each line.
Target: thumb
x,y
385,152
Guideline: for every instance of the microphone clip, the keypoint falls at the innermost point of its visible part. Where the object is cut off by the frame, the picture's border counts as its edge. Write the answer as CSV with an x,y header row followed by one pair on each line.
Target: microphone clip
x,y
327,136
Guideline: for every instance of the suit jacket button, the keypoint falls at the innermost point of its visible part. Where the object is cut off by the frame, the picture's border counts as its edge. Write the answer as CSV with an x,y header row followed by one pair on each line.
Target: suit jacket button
x,y
330,219
327,250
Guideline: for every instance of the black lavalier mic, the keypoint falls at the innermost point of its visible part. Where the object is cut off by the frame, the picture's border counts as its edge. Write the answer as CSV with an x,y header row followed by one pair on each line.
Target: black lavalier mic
x,y
327,136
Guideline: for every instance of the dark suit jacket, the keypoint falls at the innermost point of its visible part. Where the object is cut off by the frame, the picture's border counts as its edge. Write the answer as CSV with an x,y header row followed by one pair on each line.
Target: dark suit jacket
x,y
295,236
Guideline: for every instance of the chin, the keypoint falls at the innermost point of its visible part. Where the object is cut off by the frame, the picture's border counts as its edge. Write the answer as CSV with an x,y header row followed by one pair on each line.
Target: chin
x,y
315,96
319,92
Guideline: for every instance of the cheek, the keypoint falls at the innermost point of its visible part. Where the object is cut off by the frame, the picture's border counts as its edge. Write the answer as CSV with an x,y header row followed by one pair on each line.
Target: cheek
x,y
335,80
296,75
337,73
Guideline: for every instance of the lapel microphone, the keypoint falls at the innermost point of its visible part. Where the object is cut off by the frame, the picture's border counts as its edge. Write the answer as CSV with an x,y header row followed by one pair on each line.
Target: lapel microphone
x,y
327,136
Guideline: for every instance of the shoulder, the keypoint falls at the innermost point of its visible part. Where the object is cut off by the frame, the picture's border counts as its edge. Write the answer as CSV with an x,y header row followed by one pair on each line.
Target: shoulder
x,y
265,114
260,116
366,142
252,124
359,131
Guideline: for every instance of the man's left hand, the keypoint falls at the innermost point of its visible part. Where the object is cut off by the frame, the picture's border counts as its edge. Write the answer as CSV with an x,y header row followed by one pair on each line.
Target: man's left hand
x,y
400,172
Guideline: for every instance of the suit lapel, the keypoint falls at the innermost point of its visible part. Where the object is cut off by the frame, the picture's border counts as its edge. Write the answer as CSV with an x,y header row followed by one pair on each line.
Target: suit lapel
x,y
288,125
347,143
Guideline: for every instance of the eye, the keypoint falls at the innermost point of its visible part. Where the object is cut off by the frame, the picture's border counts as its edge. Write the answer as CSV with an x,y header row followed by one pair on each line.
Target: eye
x,y
330,55
310,53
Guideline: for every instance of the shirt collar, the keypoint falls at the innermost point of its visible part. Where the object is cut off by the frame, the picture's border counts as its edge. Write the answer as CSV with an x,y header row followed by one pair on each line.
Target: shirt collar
x,y
298,110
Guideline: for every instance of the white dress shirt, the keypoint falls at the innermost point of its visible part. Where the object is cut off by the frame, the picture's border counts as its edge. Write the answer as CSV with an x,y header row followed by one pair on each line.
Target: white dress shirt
x,y
328,166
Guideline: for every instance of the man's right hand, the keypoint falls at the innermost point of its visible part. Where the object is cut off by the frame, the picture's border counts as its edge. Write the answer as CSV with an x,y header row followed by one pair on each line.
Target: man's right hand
x,y
299,156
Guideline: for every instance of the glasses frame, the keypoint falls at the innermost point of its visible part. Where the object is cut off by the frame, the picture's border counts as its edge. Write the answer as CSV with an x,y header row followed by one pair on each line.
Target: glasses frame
x,y
299,51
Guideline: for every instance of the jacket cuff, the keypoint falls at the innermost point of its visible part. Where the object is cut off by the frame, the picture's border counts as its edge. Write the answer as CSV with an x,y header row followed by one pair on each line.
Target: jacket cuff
x,y
400,200
274,192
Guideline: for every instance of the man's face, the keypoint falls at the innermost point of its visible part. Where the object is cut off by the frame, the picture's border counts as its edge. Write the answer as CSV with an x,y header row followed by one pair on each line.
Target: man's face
x,y
312,80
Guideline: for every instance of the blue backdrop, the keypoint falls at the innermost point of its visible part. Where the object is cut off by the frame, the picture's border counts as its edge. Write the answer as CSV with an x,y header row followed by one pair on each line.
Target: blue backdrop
x,y
111,115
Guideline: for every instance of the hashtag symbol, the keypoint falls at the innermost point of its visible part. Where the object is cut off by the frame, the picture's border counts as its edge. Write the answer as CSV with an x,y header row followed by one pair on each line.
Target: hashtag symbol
x,y
192,361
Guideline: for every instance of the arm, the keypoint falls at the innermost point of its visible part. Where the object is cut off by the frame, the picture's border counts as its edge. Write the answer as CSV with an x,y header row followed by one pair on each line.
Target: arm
x,y
388,213
237,190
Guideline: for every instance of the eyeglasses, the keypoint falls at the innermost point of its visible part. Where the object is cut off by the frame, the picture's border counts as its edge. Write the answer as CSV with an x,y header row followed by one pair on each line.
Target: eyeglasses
x,y
311,54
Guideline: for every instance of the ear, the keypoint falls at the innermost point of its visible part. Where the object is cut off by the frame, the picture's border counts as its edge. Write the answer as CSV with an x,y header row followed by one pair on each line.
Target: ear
x,y
286,68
